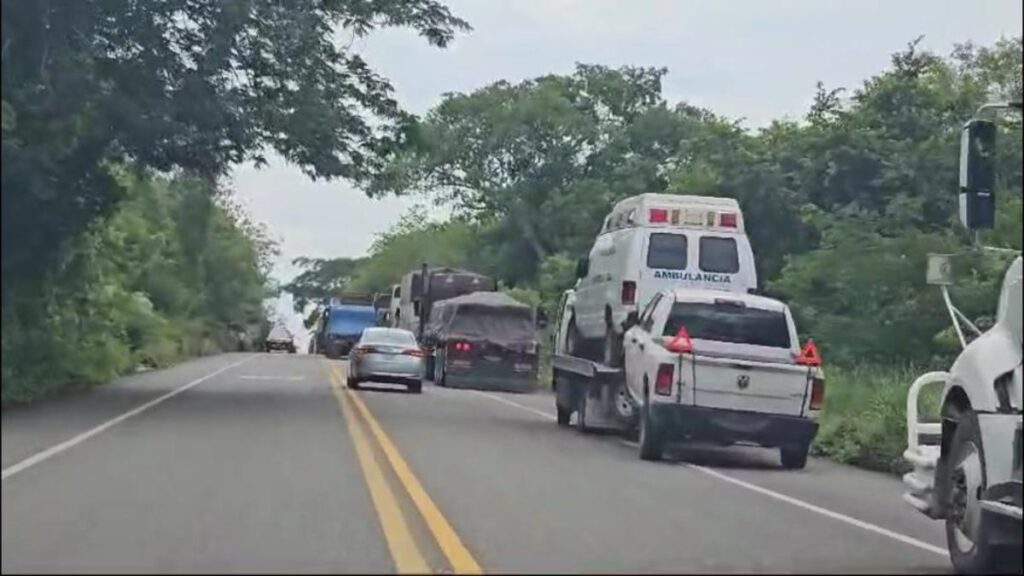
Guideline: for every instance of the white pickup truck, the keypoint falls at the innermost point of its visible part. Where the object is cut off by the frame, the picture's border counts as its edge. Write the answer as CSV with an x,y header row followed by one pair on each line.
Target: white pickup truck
x,y
704,365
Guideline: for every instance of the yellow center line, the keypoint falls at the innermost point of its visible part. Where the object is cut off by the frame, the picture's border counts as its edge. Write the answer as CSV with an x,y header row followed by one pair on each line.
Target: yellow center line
x,y
458,555
407,557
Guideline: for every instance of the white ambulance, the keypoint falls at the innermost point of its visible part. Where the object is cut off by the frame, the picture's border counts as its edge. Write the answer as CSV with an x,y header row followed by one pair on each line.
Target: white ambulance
x,y
652,242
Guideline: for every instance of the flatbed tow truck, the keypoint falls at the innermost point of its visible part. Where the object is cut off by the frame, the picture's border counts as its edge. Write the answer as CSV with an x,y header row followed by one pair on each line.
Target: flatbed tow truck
x,y
591,390
741,379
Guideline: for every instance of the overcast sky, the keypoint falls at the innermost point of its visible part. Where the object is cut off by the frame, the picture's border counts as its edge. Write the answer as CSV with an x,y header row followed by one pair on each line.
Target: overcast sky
x,y
752,59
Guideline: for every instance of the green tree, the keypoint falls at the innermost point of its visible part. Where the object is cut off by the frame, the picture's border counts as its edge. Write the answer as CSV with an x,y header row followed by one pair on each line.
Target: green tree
x,y
179,84
320,278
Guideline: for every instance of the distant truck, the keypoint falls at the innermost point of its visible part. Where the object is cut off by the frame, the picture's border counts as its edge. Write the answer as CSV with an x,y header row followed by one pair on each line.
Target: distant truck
x,y
341,323
382,307
279,338
414,304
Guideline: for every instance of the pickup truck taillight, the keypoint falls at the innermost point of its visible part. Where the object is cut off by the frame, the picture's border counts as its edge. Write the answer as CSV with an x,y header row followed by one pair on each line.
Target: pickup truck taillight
x,y
663,382
817,393
629,292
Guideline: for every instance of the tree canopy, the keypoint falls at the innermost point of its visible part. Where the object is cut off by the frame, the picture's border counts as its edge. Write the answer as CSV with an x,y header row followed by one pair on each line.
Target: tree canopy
x,y
842,206
119,118
181,85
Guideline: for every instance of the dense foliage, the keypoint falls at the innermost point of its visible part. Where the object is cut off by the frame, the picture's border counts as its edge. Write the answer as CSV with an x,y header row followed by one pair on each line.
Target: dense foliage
x,y
842,206
176,271
91,87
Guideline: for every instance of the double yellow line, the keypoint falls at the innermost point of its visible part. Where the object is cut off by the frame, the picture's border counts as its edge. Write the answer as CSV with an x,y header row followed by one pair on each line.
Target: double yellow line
x,y
406,554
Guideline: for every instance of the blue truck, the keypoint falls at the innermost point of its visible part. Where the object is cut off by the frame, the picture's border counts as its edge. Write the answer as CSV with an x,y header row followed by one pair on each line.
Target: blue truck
x,y
340,325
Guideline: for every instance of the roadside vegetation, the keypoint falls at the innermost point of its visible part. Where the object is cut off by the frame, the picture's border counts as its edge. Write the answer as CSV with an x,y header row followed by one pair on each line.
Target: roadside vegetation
x,y
842,205
119,120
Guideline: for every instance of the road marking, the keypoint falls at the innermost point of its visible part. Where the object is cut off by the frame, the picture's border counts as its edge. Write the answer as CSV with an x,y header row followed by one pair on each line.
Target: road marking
x,y
68,444
407,557
766,492
824,511
497,398
458,555
261,377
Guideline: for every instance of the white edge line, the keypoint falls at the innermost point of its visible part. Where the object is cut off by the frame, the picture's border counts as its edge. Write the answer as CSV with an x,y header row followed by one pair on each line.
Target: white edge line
x,y
496,398
71,443
770,493
824,511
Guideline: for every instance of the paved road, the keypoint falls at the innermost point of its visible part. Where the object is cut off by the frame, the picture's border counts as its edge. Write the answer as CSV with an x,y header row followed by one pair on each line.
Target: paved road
x,y
264,463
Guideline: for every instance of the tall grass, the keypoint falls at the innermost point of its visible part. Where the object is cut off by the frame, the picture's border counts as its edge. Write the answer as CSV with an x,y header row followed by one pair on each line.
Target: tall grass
x,y
863,422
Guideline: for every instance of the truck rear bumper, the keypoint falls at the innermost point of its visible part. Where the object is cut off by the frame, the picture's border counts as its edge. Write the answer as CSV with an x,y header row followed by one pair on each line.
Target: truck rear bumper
x,y
699,423
509,381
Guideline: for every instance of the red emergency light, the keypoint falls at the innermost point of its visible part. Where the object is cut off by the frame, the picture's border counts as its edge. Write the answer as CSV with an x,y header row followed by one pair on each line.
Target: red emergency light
x,y
657,216
728,220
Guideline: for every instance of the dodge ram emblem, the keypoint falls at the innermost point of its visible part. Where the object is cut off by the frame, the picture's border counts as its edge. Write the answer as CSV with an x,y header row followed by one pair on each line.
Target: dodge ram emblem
x,y
743,381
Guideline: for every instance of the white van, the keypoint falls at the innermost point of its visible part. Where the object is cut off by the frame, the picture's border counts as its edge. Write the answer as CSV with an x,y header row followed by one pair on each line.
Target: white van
x,y
652,242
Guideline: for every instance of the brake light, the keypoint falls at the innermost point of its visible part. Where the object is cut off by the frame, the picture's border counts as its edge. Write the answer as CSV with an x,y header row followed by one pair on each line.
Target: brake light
x,y
809,355
364,350
727,219
817,393
417,352
463,347
681,342
629,292
657,216
663,383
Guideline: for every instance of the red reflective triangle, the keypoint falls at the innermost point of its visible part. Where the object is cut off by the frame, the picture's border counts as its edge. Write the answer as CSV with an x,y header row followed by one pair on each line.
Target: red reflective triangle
x,y
681,342
809,355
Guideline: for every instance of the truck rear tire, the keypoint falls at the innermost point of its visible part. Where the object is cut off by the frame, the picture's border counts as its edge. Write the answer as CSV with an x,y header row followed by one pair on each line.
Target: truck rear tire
x,y
563,415
612,348
572,339
794,457
352,383
652,438
966,526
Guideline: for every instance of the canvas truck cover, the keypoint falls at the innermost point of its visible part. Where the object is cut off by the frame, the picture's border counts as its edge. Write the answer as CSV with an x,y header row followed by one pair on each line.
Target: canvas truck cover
x,y
484,317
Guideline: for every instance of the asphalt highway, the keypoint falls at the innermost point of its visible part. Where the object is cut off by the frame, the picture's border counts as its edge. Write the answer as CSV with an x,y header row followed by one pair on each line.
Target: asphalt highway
x,y
267,463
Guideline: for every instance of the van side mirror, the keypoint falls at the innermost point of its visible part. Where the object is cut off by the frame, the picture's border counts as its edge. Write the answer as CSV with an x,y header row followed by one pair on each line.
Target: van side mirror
x,y
582,267
632,319
978,174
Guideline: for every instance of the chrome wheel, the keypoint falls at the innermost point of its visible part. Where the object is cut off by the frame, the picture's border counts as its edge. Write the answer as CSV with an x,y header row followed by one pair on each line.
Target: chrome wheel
x,y
623,403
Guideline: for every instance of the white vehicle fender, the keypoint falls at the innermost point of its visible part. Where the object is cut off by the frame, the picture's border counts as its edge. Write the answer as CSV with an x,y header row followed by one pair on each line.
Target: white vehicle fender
x,y
975,371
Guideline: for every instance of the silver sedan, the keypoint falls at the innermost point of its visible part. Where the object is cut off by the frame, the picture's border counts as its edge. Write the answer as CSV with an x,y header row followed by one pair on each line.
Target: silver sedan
x,y
389,355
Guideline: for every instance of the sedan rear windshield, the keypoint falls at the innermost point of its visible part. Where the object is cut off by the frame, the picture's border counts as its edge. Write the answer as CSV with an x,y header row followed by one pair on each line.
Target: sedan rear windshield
x,y
729,323
388,336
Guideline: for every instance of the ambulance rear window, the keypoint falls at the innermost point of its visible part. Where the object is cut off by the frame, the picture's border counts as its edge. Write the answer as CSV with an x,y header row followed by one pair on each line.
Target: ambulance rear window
x,y
666,251
719,255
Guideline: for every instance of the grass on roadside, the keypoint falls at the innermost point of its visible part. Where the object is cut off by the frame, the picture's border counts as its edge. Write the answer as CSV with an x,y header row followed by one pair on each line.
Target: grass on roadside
x,y
864,419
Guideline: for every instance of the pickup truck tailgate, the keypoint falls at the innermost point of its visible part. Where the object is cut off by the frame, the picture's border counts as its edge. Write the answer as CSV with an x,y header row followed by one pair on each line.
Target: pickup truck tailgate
x,y
751,386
